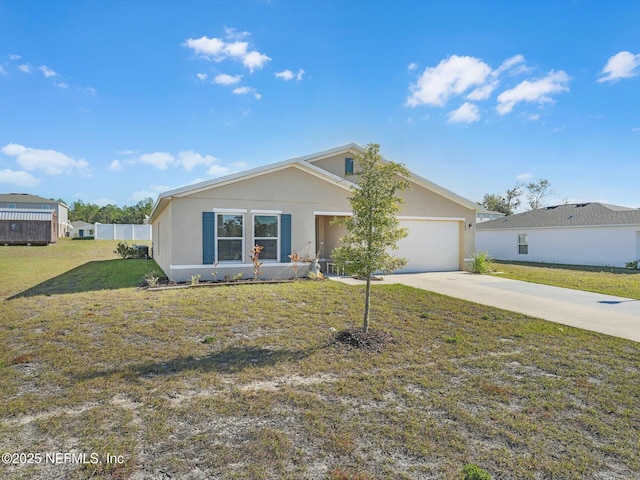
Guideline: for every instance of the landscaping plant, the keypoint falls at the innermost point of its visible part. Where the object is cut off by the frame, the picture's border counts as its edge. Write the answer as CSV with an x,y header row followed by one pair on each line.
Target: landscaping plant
x,y
373,229
255,259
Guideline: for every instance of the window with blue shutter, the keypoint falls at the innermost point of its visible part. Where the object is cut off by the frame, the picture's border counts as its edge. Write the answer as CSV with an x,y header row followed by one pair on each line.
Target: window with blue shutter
x,y
208,237
285,237
348,166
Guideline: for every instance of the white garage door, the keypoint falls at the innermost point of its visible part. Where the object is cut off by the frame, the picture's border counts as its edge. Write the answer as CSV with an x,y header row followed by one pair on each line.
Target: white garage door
x,y
431,246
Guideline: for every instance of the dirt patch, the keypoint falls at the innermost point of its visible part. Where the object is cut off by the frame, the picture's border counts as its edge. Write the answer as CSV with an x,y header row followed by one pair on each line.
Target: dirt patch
x,y
371,341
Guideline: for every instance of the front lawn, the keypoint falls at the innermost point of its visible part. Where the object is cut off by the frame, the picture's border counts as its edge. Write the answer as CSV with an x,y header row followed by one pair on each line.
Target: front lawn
x,y
126,372
607,280
243,382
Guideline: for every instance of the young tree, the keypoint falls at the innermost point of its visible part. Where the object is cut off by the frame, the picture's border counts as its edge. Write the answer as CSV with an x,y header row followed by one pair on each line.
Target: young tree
x,y
373,229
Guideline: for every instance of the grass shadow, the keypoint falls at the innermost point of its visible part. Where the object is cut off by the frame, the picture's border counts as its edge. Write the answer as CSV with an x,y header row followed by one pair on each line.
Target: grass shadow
x,y
563,266
230,360
93,276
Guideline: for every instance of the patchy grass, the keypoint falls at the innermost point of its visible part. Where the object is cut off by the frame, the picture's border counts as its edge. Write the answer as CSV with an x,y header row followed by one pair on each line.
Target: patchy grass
x,y
130,372
619,282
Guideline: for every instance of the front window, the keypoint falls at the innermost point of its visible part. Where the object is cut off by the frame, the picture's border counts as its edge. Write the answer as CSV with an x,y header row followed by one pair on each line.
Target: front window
x,y
265,234
230,233
523,244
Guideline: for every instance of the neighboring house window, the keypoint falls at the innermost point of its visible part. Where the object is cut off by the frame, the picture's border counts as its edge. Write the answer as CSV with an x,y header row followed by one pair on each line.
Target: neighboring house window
x,y
11,205
15,227
523,244
45,206
348,166
230,237
265,234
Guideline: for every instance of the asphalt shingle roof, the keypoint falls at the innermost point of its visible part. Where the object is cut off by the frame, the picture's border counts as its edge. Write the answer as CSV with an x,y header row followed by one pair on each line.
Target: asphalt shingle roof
x,y
571,215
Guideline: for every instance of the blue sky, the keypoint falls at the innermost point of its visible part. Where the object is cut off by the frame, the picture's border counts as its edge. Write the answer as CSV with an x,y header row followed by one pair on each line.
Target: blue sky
x,y
111,102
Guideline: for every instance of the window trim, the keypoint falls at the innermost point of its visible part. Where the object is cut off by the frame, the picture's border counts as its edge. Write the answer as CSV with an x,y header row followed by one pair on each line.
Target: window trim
x,y
278,239
523,244
216,238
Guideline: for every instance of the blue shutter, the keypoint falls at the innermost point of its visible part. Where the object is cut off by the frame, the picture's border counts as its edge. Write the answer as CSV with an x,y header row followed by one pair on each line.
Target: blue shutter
x,y
285,237
208,237
348,166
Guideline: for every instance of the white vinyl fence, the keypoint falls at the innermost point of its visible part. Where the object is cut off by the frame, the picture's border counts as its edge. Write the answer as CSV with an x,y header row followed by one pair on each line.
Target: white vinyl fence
x,y
117,231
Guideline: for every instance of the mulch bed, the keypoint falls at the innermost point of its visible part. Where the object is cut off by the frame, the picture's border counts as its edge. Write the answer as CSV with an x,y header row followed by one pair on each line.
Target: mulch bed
x,y
372,341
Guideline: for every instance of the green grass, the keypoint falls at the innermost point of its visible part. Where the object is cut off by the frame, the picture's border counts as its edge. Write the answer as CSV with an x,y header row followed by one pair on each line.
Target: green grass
x,y
607,280
68,266
243,383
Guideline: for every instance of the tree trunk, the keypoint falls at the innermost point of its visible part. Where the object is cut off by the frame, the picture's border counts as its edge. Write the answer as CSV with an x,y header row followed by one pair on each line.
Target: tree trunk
x,y
367,302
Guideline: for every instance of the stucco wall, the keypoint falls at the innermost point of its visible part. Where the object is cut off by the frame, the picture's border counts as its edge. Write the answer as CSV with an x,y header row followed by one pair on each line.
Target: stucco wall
x,y
161,235
602,246
290,190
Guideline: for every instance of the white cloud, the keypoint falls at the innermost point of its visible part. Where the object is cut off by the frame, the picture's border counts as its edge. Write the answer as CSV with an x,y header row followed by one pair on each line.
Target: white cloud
x,y
2,71
218,50
160,160
287,75
218,171
47,72
91,90
190,159
101,202
533,91
233,34
483,92
524,176
621,65
201,76
247,90
25,68
412,66
62,85
13,56
20,179
533,117
511,62
224,79
635,129
254,60
126,152
467,113
49,161
452,76
115,165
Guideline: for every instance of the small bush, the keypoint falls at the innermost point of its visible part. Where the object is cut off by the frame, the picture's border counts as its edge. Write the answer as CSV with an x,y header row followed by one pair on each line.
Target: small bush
x,y
481,263
632,265
125,251
473,472
151,279
208,340
195,279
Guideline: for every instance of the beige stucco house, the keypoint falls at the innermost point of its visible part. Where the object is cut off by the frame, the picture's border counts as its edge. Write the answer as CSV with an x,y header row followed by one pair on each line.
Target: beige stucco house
x,y
288,206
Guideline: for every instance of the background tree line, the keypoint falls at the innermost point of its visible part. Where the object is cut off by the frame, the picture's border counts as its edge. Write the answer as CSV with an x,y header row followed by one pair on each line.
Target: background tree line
x,y
535,192
92,213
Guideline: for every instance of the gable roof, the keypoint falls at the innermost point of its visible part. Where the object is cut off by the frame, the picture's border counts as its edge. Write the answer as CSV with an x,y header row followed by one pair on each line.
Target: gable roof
x,y
23,197
305,163
81,224
21,214
571,215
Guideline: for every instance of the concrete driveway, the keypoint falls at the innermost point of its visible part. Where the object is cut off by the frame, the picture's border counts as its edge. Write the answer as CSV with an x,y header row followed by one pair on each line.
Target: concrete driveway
x,y
615,316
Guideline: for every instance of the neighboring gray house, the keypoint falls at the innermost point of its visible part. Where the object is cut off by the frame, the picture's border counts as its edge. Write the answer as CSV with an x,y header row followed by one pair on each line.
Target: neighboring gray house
x,y
578,234
34,202
80,229
484,215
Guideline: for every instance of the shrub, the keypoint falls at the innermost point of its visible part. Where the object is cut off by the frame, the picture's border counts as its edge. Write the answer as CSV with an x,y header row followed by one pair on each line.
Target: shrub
x,y
633,265
195,279
481,263
473,472
151,279
125,251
